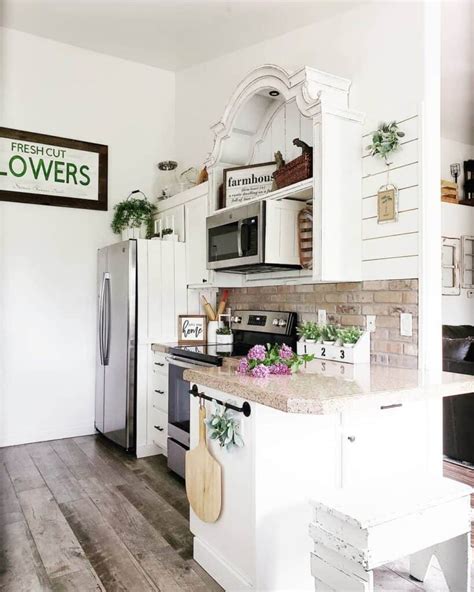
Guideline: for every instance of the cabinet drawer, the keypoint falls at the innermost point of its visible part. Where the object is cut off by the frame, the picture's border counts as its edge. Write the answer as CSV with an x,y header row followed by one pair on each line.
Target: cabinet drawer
x,y
159,399
160,364
158,424
159,383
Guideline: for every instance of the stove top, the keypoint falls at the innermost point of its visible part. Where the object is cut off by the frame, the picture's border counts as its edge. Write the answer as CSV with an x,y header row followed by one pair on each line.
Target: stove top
x,y
249,328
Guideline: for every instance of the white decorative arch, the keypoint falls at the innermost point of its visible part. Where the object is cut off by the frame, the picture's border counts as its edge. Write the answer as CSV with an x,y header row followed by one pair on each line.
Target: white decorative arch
x,y
307,86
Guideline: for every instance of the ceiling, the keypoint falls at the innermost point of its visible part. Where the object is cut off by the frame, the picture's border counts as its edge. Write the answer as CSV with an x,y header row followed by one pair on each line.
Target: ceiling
x,y
169,34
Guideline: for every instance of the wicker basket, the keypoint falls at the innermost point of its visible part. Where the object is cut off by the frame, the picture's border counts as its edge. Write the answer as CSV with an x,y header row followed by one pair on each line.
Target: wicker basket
x,y
296,170
305,237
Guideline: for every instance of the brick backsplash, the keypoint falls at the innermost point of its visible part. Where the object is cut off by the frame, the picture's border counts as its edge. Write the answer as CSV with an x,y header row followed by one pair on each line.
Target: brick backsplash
x,y
348,304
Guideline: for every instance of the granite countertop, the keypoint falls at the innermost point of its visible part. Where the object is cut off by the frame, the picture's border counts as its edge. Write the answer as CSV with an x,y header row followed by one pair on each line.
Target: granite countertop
x,y
313,390
164,348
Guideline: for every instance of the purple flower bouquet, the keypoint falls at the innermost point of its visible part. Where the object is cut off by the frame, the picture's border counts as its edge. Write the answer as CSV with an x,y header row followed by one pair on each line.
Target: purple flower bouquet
x,y
280,360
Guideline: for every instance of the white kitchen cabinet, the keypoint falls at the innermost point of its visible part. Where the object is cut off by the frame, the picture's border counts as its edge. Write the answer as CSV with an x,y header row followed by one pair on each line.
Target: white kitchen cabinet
x,y
157,403
385,441
172,218
260,541
196,252
313,106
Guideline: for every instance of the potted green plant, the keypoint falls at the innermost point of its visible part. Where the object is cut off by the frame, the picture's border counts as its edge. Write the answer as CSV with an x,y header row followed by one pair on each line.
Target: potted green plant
x,y
133,217
330,334
224,336
309,331
350,336
168,234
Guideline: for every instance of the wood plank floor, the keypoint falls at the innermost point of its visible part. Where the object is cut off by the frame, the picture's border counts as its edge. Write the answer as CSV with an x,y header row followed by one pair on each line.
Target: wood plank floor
x,y
81,515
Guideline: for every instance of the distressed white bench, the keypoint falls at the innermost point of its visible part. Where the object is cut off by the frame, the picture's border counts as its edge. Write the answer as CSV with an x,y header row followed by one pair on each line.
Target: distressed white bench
x,y
357,530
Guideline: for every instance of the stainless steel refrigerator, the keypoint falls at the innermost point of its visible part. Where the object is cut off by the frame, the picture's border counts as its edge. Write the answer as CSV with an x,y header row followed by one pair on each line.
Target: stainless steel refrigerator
x,y
115,399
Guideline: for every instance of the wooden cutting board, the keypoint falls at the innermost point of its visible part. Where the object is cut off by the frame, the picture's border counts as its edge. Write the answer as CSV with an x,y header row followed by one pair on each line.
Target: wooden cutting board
x,y
203,477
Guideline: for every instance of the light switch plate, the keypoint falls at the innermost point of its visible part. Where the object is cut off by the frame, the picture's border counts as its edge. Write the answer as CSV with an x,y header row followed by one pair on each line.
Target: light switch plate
x,y
371,323
406,324
322,316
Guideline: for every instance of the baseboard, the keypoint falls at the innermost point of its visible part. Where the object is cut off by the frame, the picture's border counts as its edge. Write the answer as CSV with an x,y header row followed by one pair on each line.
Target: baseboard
x,y
219,569
44,434
149,450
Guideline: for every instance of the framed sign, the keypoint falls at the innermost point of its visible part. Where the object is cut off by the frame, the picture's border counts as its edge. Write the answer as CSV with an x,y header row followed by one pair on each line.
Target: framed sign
x,y
245,183
192,329
47,170
387,206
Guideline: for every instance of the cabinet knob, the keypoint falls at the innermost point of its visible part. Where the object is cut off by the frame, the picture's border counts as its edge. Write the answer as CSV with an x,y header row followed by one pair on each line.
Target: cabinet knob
x,y
159,392
351,438
204,281
159,428
159,364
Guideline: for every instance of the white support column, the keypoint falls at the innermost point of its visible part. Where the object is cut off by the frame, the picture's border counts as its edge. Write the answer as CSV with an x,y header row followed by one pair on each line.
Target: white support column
x,y
430,339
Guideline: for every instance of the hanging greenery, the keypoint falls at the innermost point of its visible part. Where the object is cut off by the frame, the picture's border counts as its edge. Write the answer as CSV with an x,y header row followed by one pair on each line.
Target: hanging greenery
x,y
385,140
133,212
225,428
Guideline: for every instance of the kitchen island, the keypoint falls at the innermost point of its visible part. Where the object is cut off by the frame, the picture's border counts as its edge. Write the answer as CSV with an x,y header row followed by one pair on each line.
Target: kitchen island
x,y
315,429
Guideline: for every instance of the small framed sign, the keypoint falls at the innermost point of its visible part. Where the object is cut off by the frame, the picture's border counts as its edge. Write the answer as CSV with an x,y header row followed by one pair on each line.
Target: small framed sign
x,y
244,183
192,329
48,170
387,206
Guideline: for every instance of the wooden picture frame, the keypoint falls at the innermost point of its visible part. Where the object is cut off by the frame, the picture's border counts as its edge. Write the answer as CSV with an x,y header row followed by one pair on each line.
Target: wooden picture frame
x,y
387,204
244,189
53,171
188,326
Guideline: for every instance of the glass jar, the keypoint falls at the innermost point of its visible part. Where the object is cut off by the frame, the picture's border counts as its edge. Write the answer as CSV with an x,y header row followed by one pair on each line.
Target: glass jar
x,y
168,183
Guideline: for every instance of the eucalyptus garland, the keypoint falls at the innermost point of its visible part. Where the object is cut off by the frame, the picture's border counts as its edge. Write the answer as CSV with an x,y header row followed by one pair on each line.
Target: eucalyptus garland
x,y
385,140
132,213
225,428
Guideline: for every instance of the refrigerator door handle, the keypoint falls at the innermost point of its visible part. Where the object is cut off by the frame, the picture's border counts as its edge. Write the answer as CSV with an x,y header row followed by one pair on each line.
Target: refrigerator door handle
x,y
101,320
107,318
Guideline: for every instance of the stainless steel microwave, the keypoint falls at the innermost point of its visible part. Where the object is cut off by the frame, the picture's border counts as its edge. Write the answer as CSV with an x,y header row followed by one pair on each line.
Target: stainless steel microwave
x,y
242,239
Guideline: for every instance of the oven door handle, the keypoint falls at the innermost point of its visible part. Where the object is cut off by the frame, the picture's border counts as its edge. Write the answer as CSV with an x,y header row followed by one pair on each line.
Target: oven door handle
x,y
239,237
188,365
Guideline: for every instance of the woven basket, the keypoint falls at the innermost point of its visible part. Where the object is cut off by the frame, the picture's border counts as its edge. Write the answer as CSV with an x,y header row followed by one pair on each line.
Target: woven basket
x,y
296,170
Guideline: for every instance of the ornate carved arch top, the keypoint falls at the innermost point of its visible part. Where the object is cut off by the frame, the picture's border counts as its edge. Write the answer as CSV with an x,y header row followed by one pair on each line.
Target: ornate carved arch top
x,y
309,87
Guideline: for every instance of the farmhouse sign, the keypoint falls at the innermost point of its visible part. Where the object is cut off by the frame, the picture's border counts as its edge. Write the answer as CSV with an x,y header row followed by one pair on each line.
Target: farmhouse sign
x,y
47,170
245,183
192,329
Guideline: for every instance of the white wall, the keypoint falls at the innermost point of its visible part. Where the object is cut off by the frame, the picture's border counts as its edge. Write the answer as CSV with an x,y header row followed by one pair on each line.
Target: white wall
x,y
48,254
387,80
457,221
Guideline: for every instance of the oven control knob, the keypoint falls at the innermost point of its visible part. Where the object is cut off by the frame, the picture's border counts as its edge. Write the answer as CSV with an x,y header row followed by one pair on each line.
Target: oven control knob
x,y
237,319
281,323
276,322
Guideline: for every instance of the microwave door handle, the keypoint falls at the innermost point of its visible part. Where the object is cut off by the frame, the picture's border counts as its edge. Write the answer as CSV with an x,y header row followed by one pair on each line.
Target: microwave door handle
x,y
239,237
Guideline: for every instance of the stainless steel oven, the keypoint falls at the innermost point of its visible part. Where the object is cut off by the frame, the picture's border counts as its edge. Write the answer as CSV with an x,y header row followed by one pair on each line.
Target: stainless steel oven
x,y
179,411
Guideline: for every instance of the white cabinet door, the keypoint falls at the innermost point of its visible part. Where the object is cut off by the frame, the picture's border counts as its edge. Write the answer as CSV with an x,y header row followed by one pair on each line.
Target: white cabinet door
x,y
195,216
172,218
384,442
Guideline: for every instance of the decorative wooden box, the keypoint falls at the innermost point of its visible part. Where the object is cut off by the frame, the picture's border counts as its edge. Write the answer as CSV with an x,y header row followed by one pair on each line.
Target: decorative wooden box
x,y
358,354
296,170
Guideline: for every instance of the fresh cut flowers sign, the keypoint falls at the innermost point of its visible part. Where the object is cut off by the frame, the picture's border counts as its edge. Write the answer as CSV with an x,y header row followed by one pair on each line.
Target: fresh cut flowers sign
x,y
47,170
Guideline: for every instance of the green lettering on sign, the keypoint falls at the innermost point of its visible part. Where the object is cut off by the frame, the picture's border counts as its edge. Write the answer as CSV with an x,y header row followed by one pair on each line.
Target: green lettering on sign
x,y
41,167
12,170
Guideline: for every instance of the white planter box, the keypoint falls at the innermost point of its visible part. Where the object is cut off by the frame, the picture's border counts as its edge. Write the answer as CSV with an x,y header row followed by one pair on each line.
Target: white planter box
x,y
353,354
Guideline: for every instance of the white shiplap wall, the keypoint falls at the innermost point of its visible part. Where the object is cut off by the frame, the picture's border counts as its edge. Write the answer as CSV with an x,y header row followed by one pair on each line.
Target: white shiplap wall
x,y
390,250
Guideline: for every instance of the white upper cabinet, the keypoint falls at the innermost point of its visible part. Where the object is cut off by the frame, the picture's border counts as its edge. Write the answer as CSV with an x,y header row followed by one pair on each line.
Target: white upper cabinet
x,y
195,217
313,106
